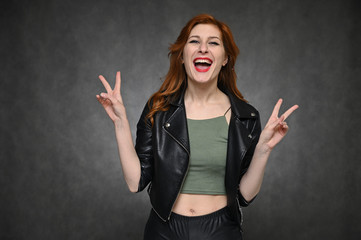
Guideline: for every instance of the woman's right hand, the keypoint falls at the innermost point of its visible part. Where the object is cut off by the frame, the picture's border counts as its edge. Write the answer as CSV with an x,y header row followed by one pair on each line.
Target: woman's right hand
x,y
112,100
113,104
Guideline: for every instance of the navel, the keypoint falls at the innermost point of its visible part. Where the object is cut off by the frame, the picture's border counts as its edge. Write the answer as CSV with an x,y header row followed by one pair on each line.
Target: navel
x,y
192,211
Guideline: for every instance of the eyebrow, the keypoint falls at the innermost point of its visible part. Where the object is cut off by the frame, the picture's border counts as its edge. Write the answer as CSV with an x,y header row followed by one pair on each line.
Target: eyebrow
x,y
196,36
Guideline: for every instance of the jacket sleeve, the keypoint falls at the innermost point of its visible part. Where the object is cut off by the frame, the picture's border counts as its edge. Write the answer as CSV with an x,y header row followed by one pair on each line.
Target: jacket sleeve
x,y
144,149
255,133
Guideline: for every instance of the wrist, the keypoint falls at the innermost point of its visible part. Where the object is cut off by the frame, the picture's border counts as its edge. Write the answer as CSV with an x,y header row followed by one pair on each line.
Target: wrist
x,y
120,123
117,123
263,149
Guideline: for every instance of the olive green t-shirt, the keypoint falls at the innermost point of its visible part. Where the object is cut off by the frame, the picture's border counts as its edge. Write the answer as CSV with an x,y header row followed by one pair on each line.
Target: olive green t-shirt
x,y
208,152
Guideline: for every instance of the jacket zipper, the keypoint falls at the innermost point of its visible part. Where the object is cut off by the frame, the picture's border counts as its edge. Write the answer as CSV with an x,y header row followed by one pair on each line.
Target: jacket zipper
x,y
184,174
159,215
150,188
241,212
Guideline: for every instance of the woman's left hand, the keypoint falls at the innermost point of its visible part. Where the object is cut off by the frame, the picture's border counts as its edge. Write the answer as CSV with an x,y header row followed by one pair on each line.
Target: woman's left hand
x,y
276,128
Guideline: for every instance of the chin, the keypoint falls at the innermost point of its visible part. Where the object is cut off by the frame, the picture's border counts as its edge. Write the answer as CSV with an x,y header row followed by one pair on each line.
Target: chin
x,y
202,79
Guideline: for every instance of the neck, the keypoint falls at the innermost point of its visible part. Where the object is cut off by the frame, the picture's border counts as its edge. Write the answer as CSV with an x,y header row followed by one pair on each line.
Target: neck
x,y
201,93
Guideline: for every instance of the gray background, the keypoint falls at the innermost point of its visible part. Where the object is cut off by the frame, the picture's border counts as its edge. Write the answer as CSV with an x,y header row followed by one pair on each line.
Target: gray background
x,y
59,171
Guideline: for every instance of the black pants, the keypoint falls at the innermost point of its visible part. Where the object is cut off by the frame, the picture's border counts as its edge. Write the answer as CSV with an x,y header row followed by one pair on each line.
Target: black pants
x,y
218,225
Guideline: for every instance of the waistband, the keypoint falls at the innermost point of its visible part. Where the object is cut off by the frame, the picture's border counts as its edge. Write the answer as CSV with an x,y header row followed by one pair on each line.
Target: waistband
x,y
215,214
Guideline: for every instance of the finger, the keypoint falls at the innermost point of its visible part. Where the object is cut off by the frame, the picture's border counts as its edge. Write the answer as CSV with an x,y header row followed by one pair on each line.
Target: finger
x,y
275,122
117,82
108,96
284,124
289,111
105,84
100,99
284,129
106,104
276,109
103,101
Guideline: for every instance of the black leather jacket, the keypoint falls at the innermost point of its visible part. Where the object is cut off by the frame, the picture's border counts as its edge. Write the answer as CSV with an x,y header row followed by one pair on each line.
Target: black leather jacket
x,y
164,152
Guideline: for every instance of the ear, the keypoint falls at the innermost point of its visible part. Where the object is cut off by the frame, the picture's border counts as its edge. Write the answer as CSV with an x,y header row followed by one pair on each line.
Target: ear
x,y
181,56
225,61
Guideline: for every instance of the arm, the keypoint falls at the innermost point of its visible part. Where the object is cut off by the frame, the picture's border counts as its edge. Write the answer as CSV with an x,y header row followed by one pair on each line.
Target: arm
x,y
271,135
113,105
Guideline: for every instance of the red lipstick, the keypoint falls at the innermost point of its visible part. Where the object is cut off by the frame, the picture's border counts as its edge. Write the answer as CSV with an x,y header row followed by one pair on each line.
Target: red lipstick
x,y
202,64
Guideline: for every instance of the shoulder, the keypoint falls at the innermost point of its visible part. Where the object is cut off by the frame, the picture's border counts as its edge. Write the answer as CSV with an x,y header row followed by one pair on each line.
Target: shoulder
x,y
149,113
243,109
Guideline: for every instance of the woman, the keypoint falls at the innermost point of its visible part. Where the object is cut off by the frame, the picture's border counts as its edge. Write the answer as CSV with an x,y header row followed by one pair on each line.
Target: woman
x,y
199,145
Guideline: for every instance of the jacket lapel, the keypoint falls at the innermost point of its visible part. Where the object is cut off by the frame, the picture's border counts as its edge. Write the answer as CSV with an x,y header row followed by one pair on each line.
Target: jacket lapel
x,y
239,138
176,124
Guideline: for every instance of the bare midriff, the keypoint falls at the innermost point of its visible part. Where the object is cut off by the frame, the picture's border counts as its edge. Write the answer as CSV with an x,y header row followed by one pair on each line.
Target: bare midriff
x,y
198,204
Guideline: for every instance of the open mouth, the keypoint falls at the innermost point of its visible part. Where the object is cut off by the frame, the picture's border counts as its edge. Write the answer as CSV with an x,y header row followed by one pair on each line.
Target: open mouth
x,y
202,64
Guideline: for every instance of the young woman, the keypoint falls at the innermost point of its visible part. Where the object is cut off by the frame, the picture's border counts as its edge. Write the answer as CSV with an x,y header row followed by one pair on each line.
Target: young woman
x,y
199,144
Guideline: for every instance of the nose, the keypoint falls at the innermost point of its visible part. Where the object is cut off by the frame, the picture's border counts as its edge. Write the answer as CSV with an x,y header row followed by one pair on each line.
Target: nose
x,y
203,47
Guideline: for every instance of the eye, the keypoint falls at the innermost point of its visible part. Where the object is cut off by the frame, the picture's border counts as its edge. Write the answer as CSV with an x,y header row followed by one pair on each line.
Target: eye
x,y
193,41
214,43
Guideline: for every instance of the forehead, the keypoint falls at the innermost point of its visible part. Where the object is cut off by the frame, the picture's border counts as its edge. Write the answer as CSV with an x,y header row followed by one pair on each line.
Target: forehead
x,y
205,30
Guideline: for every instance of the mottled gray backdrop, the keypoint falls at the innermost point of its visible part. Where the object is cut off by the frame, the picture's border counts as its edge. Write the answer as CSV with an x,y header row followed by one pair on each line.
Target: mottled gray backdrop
x,y
59,171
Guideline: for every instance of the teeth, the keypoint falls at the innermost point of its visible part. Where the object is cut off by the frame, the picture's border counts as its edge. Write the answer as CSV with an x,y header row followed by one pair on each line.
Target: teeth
x,y
203,61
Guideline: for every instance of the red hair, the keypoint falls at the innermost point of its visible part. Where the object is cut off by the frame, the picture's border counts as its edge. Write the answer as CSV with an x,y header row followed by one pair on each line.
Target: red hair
x,y
175,79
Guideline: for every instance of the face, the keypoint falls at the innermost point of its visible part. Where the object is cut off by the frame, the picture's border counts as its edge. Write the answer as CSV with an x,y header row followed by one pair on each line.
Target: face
x,y
204,54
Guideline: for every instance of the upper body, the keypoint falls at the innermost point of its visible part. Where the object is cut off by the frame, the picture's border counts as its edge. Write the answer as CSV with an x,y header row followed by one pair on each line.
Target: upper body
x,y
163,150
200,84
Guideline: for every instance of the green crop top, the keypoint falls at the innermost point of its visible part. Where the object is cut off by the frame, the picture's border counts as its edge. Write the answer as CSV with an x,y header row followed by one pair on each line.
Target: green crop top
x,y
208,152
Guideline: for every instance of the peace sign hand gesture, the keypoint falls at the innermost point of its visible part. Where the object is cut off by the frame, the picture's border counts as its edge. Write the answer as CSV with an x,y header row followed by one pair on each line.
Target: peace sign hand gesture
x,y
276,127
112,100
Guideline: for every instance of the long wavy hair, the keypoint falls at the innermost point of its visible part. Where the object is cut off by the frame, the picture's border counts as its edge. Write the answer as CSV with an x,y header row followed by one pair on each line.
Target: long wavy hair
x,y
176,80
